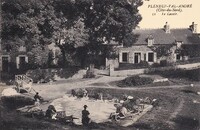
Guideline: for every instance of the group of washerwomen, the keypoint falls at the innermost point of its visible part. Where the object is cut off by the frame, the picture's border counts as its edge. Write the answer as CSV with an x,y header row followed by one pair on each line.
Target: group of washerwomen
x,y
51,111
123,107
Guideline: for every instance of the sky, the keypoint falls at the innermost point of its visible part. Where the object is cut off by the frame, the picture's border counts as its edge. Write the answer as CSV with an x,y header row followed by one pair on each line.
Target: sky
x,y
153,19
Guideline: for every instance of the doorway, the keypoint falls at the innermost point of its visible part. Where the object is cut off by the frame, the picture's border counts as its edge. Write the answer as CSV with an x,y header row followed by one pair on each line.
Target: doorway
x,y
137,58
22,62
124,57
5,63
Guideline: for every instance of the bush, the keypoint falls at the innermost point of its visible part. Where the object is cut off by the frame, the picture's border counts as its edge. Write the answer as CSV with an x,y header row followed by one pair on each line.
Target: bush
x,y
40,75
6,77
46,75
135,81
89,74
179,73
13,102
155,65
67,72
144,64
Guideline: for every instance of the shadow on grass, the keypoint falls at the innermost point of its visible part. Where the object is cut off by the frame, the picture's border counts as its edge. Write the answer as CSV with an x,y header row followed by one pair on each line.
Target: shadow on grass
x,y
189,91
13,102
142,126
98,84
186,123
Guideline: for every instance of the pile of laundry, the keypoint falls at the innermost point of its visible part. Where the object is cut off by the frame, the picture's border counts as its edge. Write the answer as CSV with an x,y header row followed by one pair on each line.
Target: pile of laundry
x,y
130,109
10,92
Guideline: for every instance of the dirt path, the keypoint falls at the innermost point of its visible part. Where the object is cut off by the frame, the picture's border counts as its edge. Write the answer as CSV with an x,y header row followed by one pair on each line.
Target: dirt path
x,y
139,88
52,91
175,113
177,110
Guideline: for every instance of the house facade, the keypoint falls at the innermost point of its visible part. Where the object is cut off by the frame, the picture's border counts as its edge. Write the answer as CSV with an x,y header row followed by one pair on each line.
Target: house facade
x,y
9,60
17,58
158,45
136,54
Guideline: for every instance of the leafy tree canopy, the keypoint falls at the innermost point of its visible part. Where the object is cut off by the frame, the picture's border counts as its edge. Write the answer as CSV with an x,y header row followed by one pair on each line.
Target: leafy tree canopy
x,y
70,23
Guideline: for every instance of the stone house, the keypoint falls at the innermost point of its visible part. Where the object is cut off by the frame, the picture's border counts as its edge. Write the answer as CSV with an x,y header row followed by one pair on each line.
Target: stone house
x,y
16,58
157,45
19,58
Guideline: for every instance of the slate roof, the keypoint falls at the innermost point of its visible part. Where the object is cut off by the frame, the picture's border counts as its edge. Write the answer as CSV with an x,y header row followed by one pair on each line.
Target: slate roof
x,y
136,48
160,37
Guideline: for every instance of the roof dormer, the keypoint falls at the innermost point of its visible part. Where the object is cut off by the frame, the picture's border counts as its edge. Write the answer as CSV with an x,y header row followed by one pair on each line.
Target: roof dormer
x,y
150,40
178,44
22,49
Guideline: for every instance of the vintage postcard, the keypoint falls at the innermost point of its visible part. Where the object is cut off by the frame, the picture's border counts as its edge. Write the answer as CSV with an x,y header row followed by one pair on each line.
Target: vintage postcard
x,y
100,65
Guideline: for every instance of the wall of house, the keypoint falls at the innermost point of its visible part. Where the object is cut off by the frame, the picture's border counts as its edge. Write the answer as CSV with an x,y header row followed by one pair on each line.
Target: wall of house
x,y
113,62
143,56
13,59
166,53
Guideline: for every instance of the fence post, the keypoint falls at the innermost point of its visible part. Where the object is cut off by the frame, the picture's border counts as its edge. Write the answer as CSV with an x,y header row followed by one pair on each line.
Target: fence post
x,y
111,69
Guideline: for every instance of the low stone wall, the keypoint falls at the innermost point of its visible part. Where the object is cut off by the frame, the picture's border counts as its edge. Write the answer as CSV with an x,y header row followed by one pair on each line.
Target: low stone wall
x,y
189,66
101,72
127,72
147,70
113,62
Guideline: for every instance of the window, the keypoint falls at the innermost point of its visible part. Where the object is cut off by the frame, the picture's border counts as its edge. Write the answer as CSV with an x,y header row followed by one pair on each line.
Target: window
x,y
8,48
124,57
21,60
137,58
5,63
178,57
150,57
150,40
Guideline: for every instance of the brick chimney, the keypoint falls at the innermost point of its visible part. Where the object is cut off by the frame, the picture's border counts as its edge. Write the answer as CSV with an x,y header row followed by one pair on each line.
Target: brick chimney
x,y
193,27
167,27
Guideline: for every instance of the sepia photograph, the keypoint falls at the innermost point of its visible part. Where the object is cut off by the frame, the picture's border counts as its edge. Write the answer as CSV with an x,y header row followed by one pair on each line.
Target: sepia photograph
x,y
99,65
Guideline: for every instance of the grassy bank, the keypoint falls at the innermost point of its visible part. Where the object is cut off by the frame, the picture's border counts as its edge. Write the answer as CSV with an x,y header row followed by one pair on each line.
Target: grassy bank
x,y
193,75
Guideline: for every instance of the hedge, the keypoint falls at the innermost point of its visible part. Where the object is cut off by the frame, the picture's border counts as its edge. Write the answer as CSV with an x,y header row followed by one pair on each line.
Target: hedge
x,y
179,73
135,81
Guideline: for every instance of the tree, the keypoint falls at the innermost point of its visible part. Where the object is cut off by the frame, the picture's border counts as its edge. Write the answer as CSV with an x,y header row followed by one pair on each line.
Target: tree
x,y
109,21
39,56
72,37
72,24
40,22
31,21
